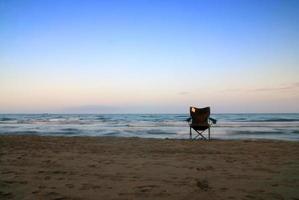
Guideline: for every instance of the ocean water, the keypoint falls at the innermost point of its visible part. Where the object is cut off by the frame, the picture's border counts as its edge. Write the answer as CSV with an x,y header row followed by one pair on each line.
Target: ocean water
x,y
229,126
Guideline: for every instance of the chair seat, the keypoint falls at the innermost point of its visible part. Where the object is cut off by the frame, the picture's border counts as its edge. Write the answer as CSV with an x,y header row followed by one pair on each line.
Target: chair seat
x,y
200,126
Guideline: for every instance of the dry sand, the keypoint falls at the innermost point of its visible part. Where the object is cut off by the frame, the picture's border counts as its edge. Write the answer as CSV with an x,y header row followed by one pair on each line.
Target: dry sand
x,y
33,167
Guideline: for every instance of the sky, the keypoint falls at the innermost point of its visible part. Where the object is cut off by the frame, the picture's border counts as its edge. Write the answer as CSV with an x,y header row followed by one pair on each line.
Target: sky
x,y
149,56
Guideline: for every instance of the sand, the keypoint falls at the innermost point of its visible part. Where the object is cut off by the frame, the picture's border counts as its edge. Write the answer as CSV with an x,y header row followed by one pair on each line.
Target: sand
x,y
33,167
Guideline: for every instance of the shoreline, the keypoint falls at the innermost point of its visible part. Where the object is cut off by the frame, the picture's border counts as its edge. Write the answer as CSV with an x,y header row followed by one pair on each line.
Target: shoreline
x,y
92,167
244,139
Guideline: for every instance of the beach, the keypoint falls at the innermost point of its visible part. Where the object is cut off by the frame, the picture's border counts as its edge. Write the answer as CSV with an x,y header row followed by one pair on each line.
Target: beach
x,y
42,167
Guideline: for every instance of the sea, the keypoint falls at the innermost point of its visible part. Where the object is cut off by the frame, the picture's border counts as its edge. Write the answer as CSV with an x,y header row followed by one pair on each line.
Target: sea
x,y
172,126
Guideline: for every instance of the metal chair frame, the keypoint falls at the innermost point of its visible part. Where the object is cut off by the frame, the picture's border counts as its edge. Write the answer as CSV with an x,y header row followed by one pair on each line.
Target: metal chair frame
x,y
200,134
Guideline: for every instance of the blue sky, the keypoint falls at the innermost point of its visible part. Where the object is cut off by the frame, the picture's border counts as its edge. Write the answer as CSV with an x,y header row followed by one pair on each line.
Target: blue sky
x,y
149,56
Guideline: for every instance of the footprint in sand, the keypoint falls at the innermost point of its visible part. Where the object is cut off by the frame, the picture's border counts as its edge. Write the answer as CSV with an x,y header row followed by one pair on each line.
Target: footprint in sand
x,y
203,185
69,186
55,196
6,195
87,186
206,168
41,187
146,188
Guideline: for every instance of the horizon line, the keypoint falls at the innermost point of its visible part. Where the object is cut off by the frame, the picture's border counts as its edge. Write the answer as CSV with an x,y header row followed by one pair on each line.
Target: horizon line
x,y
217,113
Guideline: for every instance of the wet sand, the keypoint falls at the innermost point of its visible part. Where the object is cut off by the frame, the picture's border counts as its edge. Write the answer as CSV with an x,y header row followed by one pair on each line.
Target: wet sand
x,y
33,167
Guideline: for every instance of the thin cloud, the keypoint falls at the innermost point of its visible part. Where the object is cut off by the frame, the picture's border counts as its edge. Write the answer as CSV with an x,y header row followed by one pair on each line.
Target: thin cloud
x,y
90,109
292,86
296,84
184,93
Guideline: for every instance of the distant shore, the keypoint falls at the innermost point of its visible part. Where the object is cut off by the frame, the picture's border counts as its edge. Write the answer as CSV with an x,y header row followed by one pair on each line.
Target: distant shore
x,y
35,167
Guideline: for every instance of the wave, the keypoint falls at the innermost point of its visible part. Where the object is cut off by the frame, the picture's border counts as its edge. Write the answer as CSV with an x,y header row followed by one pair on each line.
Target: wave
x,y
4,119
153,126
70,129
41,132
159,132
113,133
250,133
62,133
269,120
19,133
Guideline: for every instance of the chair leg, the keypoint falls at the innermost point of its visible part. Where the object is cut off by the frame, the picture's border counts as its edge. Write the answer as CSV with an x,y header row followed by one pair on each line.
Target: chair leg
x,y
200,134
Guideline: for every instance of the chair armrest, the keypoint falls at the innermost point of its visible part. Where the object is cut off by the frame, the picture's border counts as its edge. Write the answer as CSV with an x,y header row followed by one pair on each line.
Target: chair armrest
x,y
214,121
188,119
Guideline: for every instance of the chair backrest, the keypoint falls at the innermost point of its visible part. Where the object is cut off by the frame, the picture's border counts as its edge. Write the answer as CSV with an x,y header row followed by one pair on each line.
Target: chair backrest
x,y
200,116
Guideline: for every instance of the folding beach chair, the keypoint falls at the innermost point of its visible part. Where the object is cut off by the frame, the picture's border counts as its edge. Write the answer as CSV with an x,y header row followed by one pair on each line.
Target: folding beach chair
x,y
200,121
